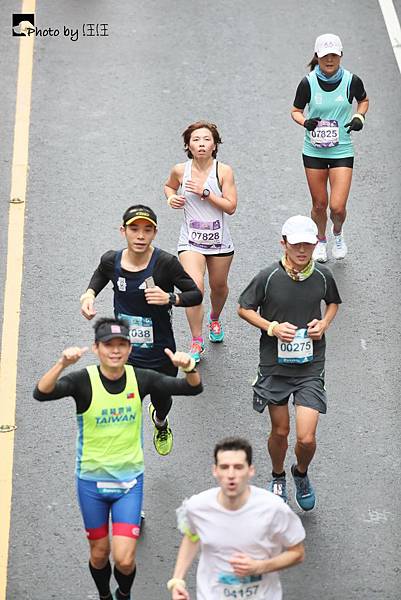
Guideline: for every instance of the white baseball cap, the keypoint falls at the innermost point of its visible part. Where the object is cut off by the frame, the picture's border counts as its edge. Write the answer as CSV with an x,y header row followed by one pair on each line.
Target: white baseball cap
x,y
300,229
328,43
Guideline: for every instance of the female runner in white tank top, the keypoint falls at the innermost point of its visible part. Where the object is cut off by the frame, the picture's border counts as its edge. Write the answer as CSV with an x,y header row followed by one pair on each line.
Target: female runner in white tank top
x,y
208,195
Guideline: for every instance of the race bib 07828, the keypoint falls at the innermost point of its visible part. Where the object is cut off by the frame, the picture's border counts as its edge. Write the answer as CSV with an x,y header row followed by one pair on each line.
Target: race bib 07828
x,y
205,234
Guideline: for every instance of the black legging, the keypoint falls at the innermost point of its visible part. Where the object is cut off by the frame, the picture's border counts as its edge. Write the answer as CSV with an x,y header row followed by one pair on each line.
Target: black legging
x,y
163,403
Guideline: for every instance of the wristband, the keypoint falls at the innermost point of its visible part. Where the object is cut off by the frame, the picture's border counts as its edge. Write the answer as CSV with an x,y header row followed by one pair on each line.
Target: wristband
x,y
359,116
172,583
169,199
271,327
88,294
191,366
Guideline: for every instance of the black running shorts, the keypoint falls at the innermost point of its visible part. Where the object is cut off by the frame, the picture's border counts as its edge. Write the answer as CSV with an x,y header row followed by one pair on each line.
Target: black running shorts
x,y
276,390
314,162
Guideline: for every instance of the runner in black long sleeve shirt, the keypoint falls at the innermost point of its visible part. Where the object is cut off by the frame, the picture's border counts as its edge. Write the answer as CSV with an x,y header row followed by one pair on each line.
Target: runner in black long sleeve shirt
x,y
144,278
78,386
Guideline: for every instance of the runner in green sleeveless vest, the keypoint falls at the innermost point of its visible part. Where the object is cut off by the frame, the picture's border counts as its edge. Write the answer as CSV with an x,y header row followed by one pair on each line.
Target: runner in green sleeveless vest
x,y
109,464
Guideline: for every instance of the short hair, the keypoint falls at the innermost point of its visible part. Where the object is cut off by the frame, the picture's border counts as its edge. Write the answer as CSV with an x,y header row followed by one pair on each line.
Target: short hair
x,y
234,443
136,207
199,125
109,321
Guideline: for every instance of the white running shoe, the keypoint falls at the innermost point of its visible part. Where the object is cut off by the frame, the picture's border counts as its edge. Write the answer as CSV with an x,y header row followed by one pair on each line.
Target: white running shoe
x,y
320,252
339,249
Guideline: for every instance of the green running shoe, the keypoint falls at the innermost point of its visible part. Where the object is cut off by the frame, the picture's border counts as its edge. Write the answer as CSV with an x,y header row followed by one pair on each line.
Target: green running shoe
x,y
162,438
216,333
197,349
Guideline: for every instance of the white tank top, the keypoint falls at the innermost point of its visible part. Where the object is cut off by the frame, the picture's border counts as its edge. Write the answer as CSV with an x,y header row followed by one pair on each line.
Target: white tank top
x,y
205,227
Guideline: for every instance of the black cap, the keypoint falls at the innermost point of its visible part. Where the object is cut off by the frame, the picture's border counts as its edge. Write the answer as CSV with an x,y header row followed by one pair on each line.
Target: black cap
x,y
133,214
110,331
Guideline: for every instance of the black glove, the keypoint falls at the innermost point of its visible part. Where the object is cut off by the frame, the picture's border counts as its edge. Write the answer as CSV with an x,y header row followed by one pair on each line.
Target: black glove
x,y
356,123
311,124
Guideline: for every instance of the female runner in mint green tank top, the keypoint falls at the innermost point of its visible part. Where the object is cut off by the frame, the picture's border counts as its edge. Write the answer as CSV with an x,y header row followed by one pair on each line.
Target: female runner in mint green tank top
x,y
328,153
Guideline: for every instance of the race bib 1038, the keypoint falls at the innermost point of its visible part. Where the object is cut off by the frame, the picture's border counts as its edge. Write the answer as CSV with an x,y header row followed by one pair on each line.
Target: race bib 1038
x,y
140,330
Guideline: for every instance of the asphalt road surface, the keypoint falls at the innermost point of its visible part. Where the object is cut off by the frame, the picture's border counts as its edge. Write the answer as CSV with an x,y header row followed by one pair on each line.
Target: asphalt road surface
x,y
107,114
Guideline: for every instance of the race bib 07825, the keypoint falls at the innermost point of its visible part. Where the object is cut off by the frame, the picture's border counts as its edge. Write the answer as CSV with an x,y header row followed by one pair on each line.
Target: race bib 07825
x,y
326,134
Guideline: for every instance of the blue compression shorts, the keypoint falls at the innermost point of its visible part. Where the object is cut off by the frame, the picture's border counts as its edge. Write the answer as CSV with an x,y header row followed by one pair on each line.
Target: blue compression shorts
x,y
96,502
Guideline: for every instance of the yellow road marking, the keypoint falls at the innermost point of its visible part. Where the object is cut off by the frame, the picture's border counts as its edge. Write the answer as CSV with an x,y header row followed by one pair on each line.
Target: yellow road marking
x,y
12,291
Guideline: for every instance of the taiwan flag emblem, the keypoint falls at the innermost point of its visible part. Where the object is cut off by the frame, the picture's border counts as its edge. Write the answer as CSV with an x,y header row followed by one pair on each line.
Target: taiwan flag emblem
x,y
131,395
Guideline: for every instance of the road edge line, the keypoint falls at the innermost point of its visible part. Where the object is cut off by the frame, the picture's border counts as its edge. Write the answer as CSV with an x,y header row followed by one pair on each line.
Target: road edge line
x,y
12,288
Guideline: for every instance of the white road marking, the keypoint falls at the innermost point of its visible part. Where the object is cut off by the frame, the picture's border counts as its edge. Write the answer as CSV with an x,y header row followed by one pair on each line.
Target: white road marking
x,y
393,27
378,516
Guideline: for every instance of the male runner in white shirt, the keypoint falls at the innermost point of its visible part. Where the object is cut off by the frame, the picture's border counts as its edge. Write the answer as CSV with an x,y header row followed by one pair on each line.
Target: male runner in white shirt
x,y
245,534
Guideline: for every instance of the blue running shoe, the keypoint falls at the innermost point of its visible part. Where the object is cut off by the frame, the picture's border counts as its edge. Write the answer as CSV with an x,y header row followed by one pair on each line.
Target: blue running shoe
x,y
278,487
305,494
197,348
216,332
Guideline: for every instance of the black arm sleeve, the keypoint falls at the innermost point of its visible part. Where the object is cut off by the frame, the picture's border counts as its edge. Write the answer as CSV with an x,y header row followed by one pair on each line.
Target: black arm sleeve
x,y
302,95
76,384
152,382
357,89
169,273
103,273
190,293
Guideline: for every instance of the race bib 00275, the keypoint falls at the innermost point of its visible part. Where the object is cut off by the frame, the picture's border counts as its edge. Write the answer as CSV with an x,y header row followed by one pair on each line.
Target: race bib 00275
x,y
299,351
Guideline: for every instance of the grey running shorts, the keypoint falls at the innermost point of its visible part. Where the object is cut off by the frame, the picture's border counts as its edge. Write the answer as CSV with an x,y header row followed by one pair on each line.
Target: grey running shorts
x,y
276,390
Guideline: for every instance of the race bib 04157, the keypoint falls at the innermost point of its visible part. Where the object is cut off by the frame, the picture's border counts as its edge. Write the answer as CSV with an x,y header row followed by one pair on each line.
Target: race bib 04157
x,y
237,588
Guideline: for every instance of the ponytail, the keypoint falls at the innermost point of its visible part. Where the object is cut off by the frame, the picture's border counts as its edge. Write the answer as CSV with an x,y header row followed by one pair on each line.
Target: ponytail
x,y
312,64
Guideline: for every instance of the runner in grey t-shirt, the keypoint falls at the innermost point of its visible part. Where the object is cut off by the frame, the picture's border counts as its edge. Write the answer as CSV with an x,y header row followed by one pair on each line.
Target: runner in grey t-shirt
x,y
284,302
